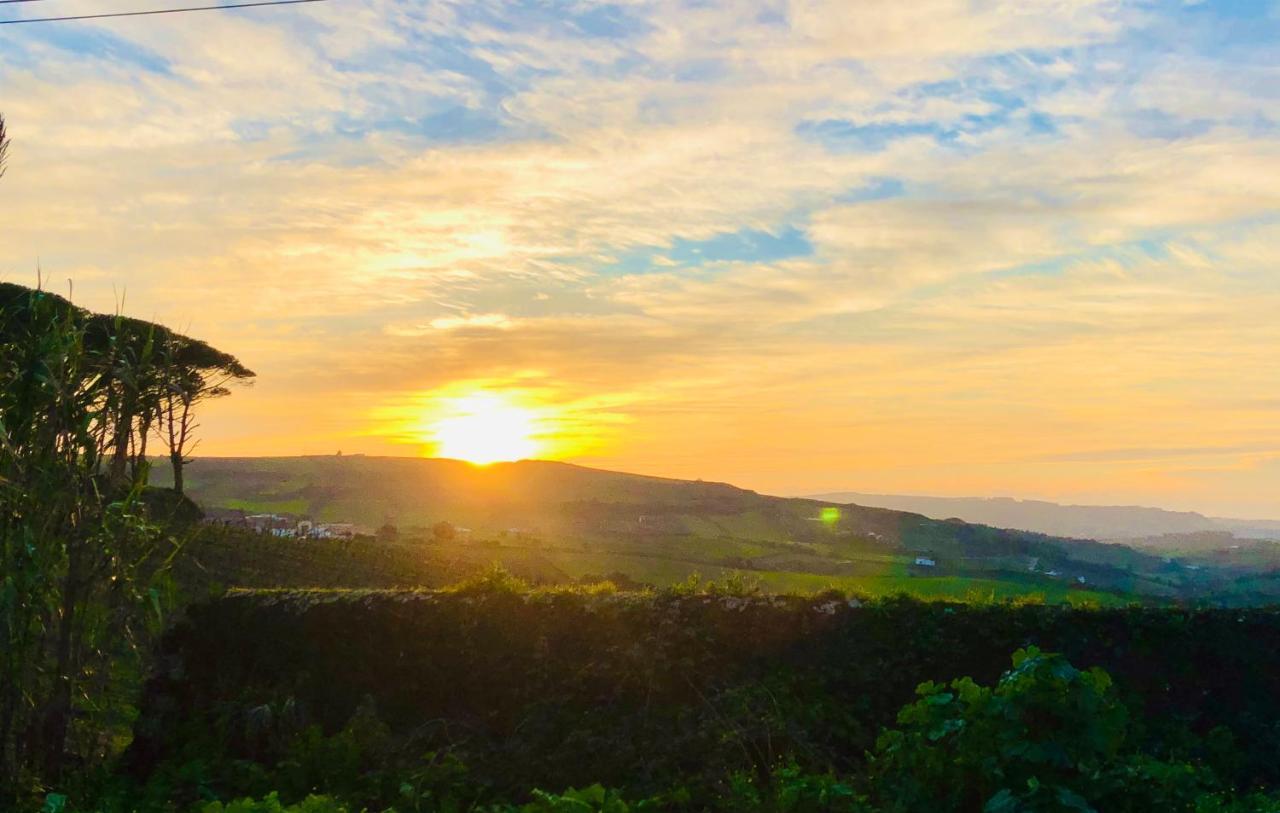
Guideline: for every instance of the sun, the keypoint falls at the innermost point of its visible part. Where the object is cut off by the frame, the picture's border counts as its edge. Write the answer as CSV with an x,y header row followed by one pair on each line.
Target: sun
x,y
485,428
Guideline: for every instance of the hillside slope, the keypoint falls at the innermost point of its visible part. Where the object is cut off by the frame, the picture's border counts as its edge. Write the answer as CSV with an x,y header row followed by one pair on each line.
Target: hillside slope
x,y
587,521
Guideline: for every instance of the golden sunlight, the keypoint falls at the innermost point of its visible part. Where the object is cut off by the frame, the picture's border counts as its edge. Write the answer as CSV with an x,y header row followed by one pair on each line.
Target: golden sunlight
x,y
485,428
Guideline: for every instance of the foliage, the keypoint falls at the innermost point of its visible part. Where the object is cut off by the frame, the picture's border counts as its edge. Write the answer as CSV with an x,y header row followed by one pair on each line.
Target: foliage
x,y
593,799
713,700
494,580
791,789
647,692
271,804
71,546
1047,737
82,567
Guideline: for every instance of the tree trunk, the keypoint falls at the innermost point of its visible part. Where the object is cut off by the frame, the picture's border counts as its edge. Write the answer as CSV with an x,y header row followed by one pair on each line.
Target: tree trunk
x,y
177,461
140,454
120,457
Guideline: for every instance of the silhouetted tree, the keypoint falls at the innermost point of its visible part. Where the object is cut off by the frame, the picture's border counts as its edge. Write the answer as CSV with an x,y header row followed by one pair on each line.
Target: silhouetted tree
x,y
194,372
132,386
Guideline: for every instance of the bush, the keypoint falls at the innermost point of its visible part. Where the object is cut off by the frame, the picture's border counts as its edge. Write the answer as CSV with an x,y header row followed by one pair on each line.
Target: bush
x,y
1048,737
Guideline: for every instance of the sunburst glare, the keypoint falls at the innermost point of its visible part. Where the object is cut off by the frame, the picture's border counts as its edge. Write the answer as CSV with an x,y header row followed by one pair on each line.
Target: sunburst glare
x,y
485,428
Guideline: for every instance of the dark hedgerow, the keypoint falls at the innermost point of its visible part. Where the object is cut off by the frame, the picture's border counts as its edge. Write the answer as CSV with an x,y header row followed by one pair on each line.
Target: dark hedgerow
x,y
486,692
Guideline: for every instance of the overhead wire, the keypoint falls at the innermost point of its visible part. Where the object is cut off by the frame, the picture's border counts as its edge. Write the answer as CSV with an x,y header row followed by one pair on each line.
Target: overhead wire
x,y
184,9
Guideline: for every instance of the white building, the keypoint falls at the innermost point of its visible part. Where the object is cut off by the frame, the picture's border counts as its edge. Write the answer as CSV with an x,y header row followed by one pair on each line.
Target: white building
x,y
268,523
333,530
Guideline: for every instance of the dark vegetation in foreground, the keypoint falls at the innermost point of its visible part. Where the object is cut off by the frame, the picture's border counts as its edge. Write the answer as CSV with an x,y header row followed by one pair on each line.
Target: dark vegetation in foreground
x,y
702,698
83,566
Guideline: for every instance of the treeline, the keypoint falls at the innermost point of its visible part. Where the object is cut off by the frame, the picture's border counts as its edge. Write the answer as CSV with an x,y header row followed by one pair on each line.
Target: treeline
x,y
81,562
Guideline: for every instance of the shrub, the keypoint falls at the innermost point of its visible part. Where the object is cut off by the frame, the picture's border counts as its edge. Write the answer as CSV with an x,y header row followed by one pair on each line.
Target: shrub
x,y
1048,737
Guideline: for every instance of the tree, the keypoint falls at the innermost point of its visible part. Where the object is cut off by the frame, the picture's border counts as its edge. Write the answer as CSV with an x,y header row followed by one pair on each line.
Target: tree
x,y
194,373
444,531
151,381
132,375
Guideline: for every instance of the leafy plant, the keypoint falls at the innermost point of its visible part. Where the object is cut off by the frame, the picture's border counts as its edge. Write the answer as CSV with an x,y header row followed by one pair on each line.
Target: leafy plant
x,y
1047,737
593,799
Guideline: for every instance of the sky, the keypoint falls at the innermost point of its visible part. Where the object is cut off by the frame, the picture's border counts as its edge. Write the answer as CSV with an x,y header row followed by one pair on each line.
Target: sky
x,y
999,247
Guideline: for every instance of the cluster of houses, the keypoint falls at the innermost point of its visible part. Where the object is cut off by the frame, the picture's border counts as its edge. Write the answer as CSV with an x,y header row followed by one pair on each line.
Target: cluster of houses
x,y
287,527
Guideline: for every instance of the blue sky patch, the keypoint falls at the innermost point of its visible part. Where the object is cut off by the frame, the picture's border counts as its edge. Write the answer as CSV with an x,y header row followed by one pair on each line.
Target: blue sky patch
x,y
875,189
1157,124
744,245
92,42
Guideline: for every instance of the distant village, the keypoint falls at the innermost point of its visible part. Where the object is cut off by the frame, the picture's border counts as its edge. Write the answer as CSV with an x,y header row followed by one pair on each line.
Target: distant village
x,y
284,525
289,526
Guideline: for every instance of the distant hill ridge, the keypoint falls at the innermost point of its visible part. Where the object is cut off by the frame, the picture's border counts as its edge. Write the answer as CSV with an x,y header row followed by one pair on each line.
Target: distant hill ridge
x,y
1106,522
372,489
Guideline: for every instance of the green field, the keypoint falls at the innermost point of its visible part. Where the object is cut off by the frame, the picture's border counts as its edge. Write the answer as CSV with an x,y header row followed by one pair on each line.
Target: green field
x,y
216,560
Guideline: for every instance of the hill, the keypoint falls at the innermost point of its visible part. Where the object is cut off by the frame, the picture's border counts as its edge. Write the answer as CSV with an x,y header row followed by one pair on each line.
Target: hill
x,y
558,522
1106,522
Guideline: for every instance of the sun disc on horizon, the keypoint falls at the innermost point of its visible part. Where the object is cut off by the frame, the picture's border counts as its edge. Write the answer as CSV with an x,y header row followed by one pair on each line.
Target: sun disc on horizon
x,y
486,428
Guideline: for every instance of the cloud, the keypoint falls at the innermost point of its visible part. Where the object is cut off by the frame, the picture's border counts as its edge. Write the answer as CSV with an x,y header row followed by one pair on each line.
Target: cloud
x,y
793,244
